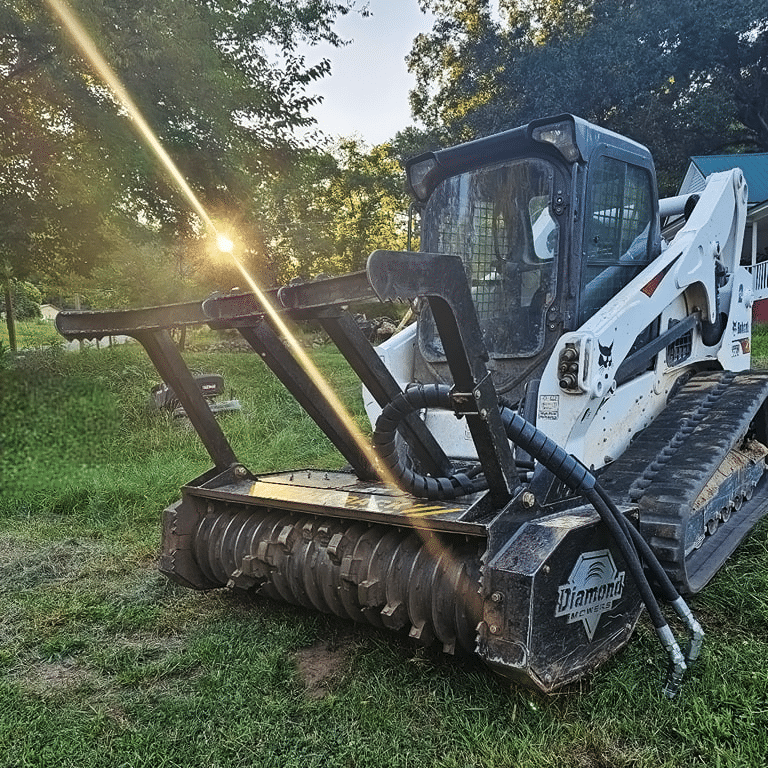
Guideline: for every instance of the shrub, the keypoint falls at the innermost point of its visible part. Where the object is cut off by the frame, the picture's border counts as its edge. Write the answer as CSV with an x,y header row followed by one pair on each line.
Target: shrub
x,y
26,300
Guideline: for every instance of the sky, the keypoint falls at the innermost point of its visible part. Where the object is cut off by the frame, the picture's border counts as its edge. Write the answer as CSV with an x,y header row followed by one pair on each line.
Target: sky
x,y
366,93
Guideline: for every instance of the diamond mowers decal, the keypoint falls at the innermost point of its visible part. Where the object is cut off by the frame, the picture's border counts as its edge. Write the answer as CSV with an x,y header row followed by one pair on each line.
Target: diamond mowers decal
x,y
592,588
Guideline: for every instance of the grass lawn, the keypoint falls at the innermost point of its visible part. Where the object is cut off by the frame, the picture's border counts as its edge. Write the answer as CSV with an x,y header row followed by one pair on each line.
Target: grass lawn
x,y
105,663
31,334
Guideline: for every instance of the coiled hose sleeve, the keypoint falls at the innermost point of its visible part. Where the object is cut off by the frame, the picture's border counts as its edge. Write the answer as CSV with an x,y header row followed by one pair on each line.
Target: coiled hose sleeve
x,y
416,398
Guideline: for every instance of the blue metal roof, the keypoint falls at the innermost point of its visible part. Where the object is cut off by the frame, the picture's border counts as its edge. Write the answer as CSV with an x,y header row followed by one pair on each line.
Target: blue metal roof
x,y
753,166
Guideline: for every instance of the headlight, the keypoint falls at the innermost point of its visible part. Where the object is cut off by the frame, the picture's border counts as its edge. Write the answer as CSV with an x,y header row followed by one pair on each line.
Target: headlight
x,y
417,177
560,135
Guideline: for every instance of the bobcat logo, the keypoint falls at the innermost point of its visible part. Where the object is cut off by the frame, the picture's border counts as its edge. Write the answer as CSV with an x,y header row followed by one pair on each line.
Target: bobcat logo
x,y
606,355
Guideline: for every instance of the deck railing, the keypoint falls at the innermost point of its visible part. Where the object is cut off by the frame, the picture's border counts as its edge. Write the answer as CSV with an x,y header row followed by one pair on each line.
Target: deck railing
x,y
759,280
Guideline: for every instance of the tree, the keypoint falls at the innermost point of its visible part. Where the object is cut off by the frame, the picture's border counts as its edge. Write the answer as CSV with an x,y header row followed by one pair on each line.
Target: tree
x,y
26,299
744,69
369,204
682,78
333,208
220,82
50,218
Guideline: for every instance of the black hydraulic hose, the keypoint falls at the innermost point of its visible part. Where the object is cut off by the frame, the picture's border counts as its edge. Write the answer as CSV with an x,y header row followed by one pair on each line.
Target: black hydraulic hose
x,y
668,591
578,478
663,631
629,553
412,399
416,398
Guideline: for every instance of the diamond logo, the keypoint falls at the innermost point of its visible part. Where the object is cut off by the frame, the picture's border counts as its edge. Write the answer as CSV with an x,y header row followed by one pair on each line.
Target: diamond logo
x,y
591,590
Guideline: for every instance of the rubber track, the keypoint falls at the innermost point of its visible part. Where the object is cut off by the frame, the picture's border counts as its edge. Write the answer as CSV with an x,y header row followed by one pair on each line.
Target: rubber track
x,y
667,465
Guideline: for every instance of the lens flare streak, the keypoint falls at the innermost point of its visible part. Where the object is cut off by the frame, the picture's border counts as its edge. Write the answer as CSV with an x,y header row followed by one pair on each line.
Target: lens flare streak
x,y
89,50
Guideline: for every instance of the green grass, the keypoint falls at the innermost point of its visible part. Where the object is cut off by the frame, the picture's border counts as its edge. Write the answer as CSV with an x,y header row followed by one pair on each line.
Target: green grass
x,y
105,663
31,334
760,345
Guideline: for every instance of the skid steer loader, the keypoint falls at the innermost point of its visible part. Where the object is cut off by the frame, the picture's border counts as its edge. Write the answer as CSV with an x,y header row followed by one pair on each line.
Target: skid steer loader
x,y
568,433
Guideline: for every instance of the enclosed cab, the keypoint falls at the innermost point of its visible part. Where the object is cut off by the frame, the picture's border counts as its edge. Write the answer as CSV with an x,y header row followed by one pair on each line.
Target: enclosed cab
x,y
551,220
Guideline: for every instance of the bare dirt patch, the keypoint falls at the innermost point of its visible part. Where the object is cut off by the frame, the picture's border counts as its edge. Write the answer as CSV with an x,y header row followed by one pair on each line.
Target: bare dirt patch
x,y
319,664
53,679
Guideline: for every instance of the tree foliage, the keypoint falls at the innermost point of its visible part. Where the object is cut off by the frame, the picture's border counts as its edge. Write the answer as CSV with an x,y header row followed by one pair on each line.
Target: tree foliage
x,y
26,299
220,82
682,78
333,208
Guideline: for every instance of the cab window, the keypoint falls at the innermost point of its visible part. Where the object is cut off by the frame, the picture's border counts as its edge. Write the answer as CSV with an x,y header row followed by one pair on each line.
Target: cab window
x,y
617,231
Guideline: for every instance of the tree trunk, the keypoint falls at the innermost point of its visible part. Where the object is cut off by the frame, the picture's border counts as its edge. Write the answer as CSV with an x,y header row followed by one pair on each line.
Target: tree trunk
x,y
10,319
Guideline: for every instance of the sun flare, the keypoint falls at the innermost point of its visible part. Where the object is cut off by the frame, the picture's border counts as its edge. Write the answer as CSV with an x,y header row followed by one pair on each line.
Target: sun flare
x,y
224,244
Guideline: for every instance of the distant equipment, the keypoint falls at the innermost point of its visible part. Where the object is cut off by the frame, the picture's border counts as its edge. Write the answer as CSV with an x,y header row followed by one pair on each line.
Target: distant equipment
x,y
211,386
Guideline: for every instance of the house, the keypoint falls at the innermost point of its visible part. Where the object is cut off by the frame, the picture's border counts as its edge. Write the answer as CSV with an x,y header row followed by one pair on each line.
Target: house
x,y
755,248
48,311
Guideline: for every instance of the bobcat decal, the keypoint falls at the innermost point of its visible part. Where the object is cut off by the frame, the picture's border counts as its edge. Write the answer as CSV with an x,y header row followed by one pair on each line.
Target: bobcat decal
x,y
606,355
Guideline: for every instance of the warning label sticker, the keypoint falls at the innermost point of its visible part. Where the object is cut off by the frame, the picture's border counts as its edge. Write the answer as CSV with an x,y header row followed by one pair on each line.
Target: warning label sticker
x,y
549,406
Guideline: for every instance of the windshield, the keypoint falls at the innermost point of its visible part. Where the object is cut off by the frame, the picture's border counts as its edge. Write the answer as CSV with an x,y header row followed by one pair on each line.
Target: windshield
x,y
499,220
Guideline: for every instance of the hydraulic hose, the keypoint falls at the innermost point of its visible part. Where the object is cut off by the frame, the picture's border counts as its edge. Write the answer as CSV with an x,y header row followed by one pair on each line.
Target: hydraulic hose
x,y
578,478
570,471
416,398
668,591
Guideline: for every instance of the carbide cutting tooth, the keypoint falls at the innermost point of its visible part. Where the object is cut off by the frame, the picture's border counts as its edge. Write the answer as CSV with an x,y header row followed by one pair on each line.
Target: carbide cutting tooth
x,y
350,569
394,615
333,548
421,634
285,537
369,592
